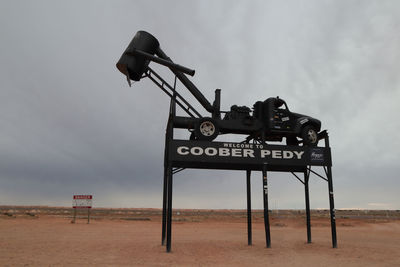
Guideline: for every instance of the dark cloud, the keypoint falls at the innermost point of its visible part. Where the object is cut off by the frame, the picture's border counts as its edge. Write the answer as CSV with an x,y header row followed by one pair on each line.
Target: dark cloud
x,y
70,124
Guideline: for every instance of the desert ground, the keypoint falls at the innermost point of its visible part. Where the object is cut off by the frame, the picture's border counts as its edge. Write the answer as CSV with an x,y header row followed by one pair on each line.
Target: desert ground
x,y
45,236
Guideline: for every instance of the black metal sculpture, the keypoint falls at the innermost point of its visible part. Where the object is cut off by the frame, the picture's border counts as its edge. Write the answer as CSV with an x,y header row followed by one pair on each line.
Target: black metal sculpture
x,y
270,120
271,117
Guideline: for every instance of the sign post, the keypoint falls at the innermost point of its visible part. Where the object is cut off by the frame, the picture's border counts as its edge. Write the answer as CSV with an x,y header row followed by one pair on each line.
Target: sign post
x,y
256,156
82,202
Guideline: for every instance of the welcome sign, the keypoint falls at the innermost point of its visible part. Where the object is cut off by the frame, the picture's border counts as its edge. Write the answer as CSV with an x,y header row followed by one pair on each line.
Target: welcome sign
x,y
228,155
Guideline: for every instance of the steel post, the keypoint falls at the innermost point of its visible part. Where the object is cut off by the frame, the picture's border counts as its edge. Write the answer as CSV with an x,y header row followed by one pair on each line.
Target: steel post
x,y
168,134
332,207
167,189
331,199
164,209
169,208
266,215
307,198
249,232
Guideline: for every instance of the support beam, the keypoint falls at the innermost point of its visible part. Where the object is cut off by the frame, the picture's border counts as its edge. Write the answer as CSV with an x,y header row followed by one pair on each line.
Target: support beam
x,y
73,220
331,200
249,232
266,215
174,163
307,198
332,208
164,210
169,207
168,173
168,136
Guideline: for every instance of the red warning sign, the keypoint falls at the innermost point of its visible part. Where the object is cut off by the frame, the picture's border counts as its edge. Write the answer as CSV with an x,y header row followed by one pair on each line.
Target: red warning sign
x,y
82,201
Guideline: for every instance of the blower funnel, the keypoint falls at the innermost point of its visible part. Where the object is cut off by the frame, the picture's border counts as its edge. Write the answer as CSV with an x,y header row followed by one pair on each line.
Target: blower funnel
x,y
133,64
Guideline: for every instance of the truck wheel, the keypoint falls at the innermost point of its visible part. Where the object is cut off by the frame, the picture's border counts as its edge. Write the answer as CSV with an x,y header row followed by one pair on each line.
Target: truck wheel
x,y
206,129
309,136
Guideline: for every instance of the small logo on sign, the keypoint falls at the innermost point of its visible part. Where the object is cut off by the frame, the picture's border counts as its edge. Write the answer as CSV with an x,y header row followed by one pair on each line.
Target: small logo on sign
x,y
285,118
317,155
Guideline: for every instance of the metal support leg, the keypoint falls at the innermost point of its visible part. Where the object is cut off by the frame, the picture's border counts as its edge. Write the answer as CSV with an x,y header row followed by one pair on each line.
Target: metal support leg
x,y
168,137
73,219
308,216
266,215
169,208
88,215
167,189
249,233
331,201
332,207
164,211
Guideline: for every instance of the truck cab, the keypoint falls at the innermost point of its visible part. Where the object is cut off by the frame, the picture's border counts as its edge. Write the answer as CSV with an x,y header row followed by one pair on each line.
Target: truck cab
x,y
281,122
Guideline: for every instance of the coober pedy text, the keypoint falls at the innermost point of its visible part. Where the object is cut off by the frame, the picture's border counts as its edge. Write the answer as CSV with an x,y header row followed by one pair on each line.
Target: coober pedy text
x,y
239,150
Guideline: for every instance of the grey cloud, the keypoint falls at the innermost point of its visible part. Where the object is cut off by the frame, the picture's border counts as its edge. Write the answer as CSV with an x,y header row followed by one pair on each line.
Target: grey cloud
x,y
70,123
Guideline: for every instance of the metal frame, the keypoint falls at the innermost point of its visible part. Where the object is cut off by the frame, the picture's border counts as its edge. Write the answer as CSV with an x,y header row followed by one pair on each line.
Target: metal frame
x,y
169,170
134,62
170,91
75,215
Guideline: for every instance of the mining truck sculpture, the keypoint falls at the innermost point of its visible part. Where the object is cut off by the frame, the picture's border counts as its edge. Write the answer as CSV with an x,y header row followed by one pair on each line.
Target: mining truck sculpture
x,y
270,118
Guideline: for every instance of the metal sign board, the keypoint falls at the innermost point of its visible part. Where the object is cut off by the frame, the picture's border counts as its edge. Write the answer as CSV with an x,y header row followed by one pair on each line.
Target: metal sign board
x,y
246,156
82,201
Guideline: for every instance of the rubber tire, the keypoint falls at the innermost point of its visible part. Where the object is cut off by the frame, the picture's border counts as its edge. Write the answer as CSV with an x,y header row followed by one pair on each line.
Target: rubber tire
x,y
306,138
200,124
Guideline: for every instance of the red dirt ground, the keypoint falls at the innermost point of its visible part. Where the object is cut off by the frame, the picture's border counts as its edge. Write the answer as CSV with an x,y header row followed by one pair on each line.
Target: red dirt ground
x,y
54,241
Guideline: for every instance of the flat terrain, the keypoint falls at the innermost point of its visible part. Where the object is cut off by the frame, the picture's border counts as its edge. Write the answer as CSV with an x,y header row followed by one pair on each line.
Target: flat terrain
x,y
37,238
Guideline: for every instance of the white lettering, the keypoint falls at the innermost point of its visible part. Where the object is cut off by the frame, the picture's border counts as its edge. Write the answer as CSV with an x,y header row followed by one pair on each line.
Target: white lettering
x,y
196,151
224,152
240,150
287,154
238,145
236,152
210,151
248,153
299,154
181,152
276,154
265,153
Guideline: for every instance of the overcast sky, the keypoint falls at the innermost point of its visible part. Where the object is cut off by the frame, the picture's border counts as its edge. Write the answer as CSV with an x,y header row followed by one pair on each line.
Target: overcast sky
x,y
71,125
